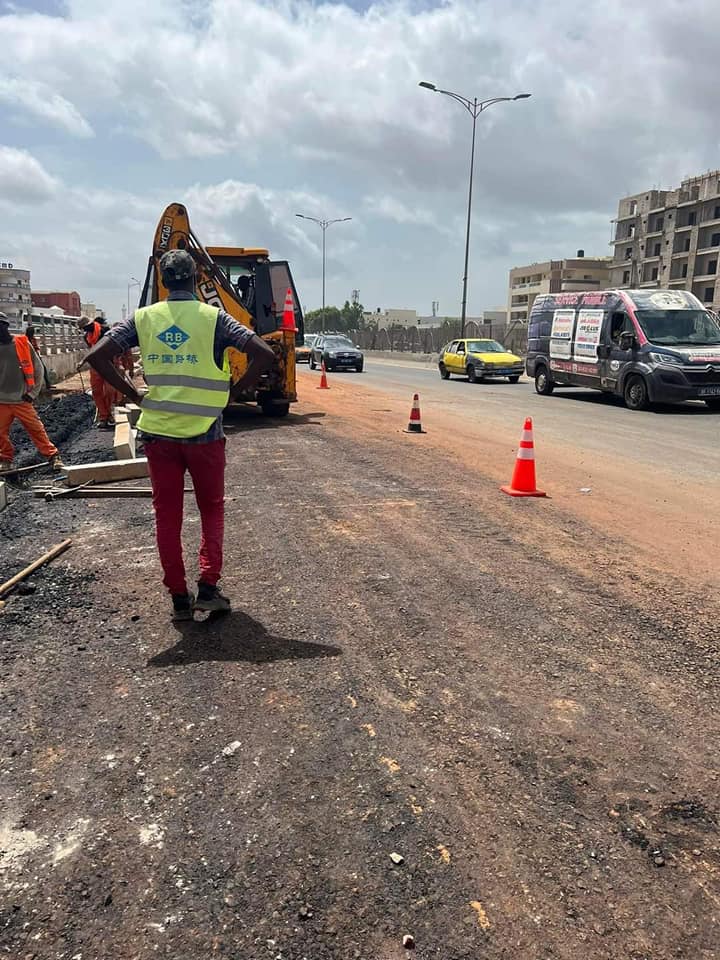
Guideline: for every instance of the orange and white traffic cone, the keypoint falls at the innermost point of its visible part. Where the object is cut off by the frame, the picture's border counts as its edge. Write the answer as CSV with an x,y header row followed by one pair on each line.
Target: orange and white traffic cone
x,y
415,424
323,378
288,317
523,478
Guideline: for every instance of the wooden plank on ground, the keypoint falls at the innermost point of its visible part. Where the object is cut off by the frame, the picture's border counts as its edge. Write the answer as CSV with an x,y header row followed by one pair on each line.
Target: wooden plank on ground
x,y
124,444
106,472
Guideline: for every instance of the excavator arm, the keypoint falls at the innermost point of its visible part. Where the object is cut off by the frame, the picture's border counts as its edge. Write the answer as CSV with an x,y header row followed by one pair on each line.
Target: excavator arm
x,y
213,287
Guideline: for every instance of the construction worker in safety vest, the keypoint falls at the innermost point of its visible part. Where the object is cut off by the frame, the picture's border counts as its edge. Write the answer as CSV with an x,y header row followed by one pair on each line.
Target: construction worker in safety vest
x,y
21,379
103,395
183,345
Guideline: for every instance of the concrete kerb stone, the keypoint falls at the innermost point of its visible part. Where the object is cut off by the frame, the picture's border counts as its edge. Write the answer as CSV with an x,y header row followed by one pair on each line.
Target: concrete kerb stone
x,y
3,495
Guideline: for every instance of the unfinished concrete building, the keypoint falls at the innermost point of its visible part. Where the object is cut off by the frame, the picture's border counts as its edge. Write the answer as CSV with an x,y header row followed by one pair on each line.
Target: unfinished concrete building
x,y
671,238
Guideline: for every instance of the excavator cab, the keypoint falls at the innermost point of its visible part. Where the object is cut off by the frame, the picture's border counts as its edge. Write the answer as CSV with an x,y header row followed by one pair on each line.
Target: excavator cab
x,y
251,288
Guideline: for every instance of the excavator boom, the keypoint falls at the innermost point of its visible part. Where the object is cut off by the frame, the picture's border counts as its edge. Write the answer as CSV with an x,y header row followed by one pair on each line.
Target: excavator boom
x,y
253,302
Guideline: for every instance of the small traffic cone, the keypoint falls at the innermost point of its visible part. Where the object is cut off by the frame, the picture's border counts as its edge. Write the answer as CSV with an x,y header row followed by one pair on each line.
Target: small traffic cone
x,y
523,478
415,424
323,378
288,317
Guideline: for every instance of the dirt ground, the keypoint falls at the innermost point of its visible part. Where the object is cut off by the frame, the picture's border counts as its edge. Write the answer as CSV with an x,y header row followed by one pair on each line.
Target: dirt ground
x,y
490,725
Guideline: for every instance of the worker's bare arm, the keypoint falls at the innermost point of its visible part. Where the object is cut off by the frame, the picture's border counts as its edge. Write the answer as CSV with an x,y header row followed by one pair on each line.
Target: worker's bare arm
x,y
101,359
260,358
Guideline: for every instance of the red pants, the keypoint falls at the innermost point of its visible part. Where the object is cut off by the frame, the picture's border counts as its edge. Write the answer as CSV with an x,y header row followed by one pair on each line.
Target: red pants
x,y
103,395
27,415
167,463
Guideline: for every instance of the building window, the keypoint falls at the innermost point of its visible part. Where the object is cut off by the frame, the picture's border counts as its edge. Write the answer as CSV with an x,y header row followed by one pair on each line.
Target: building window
x,y
628,253
633,207
716,213
686,247
715,240
656,250
654,274
709,294
712,266
683,271
692,219
626,277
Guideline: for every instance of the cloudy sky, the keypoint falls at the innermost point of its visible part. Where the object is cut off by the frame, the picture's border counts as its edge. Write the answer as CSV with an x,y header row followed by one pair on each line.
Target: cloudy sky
x,y
251,111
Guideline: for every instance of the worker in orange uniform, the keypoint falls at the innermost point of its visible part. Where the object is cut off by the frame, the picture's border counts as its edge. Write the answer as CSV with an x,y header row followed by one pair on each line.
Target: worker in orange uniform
x,y
102,393
21,374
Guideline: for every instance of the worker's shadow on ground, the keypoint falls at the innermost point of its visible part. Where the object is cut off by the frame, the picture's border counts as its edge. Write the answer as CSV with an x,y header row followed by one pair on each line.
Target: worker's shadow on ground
x,y
238,419
235,637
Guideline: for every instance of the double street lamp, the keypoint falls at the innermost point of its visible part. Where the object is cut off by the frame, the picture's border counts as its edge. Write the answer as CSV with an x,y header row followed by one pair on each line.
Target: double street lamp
x,y
474,107
324,224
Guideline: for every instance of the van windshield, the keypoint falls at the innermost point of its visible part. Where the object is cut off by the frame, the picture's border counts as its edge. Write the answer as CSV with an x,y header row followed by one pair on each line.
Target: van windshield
x,y
673,327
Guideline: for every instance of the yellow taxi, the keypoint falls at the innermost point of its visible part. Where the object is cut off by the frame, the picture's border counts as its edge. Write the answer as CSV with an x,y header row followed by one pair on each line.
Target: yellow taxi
x,y
302,353
479,359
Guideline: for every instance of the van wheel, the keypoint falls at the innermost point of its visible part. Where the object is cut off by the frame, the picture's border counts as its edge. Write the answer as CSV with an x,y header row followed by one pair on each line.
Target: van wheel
x,y
713,403
635,393
543,383
444,372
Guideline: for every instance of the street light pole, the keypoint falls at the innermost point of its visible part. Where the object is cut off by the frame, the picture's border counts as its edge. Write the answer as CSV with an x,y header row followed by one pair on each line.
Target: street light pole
x,y
474,107
324,224
132,282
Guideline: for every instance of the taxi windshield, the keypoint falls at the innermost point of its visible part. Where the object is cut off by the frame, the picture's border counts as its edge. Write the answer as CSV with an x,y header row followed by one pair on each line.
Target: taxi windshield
x,y
485,346
674,327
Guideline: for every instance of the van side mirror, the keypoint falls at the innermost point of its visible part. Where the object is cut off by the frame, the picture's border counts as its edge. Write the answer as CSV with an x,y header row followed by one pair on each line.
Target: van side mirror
x,y
627,340
603,351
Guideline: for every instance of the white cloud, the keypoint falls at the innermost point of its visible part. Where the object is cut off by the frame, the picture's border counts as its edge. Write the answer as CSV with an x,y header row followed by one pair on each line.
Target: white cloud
x,y
42,102
23,179
271,107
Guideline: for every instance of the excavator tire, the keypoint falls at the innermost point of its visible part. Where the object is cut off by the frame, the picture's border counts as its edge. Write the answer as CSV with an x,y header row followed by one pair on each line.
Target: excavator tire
x,y
271,409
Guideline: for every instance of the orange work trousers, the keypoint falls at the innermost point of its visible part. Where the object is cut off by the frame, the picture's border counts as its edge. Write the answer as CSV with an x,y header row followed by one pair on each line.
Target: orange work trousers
x,y
27,415
103,395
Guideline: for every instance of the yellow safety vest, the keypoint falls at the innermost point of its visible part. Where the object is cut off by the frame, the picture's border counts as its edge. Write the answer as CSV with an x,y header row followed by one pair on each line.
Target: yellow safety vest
x,y
187,392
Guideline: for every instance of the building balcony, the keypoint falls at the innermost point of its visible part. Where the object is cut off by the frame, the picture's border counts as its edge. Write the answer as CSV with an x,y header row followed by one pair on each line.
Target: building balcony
x,y
715,246
713,222
650,283
678,280
622,240
655,233
627,216
655,256
688,226
698,277
681,253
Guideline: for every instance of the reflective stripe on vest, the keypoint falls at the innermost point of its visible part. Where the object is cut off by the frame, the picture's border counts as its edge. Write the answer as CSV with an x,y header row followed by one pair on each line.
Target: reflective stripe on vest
x,y
187,392
25,359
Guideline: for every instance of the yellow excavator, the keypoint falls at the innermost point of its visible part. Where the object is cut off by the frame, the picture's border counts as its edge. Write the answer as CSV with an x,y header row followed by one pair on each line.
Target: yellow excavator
x,y
249,286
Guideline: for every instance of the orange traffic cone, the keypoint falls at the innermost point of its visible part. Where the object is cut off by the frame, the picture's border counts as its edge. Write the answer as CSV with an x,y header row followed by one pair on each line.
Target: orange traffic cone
x,y
323,378
415,424
523,478
288,317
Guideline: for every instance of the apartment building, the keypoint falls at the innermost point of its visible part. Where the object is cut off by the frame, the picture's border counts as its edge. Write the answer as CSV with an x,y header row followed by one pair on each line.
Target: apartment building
x,y
671,238
68,300
15,295
554,276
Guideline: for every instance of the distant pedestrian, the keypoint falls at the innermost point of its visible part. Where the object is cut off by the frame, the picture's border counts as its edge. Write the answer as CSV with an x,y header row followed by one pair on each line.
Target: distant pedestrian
x,y
183,345
20,385
103,395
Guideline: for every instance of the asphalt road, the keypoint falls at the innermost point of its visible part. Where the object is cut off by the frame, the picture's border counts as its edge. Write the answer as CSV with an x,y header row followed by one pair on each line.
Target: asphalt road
x,y
681,439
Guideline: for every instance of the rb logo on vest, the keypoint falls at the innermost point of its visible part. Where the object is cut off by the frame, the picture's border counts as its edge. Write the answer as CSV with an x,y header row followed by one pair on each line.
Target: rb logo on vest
x,y
173,337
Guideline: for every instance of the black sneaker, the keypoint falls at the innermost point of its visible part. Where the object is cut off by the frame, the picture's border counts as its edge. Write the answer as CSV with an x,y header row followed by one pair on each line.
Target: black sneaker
x,y
210,599
182,606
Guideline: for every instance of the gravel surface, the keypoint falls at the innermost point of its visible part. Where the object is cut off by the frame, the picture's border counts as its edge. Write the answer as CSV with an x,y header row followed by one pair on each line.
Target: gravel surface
x,y
435,717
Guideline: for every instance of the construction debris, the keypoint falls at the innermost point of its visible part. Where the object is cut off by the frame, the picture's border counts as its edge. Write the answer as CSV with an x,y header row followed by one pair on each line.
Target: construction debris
x,y
107,471
6,587
87,491
14,470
